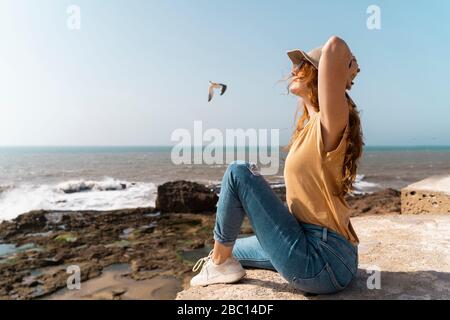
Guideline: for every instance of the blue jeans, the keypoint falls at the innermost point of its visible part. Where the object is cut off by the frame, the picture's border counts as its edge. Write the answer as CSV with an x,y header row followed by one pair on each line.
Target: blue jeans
x,y
312,258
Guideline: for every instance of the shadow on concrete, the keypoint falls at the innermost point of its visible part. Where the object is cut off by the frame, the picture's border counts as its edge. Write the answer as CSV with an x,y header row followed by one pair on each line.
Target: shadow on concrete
x,y
426,284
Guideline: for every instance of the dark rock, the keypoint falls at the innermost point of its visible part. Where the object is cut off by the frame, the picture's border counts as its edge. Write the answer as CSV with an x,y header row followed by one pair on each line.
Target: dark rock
x,y
53,261
26,223
381,202
118,292
185,197
31,281
148,228
197,245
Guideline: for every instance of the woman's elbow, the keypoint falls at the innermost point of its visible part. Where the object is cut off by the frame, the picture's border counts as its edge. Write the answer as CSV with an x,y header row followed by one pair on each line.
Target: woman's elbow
x,y
336,46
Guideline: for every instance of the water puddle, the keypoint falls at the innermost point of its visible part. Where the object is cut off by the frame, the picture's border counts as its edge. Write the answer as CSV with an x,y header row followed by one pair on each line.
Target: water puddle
x,y
195,254
113,283
8,249
152,215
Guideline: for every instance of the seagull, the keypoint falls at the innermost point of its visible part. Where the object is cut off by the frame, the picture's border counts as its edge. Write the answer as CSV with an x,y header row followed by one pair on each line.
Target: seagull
x,y
213,86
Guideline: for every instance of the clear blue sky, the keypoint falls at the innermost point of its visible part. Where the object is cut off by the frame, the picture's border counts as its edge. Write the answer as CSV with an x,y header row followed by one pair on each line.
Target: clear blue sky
x,y
137,70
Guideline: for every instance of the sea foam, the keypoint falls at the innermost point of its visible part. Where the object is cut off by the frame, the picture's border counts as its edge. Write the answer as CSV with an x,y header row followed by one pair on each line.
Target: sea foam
x,y
362,186
106,194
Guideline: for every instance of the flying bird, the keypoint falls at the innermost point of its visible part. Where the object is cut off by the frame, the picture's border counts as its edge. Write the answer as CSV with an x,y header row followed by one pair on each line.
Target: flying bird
x,y
213,86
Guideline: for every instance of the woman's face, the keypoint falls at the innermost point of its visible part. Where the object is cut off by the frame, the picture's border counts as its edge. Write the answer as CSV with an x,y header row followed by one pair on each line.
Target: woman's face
x,y
297,86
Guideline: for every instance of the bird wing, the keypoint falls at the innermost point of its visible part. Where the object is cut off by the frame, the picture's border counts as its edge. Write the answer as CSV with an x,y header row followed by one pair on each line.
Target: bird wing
x,y
210,92
224,88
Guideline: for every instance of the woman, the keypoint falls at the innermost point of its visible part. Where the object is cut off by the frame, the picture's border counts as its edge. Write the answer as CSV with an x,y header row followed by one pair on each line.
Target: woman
x,y
310,242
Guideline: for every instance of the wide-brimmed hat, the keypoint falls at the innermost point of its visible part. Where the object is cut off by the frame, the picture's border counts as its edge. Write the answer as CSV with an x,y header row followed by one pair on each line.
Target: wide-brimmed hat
x,y
312,56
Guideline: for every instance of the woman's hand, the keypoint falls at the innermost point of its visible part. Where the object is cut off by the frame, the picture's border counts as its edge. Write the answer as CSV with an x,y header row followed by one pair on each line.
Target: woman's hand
x,y
353,71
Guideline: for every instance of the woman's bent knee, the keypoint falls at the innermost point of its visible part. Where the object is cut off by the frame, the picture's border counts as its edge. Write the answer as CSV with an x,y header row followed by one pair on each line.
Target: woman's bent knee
x,y
241,168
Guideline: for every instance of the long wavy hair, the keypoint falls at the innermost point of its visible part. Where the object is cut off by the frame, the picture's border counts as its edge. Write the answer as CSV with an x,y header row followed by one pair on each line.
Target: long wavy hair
x,y
308,74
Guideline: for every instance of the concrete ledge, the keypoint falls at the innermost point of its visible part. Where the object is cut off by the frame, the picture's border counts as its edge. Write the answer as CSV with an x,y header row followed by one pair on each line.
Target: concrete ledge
x,y
411,251
431,195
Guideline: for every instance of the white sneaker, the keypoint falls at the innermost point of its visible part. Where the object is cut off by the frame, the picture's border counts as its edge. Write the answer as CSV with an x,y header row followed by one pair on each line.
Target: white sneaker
x,y
227,272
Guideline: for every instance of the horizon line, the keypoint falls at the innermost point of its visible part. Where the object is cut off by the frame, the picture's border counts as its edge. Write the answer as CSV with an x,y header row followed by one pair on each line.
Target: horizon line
x,y
228,146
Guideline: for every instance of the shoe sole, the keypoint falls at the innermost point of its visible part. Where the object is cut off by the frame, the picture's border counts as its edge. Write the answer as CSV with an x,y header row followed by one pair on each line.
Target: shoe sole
x,y
227,279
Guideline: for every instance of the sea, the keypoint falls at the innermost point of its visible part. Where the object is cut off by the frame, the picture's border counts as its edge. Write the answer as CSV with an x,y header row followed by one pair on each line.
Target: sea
x,y
107,178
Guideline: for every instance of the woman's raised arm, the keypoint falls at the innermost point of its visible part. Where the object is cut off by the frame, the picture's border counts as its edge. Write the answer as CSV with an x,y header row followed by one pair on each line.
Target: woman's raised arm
x,y
333,81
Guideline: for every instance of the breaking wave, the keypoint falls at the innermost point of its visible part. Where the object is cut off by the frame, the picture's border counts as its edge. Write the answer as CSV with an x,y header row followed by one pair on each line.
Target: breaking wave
x,y
106,194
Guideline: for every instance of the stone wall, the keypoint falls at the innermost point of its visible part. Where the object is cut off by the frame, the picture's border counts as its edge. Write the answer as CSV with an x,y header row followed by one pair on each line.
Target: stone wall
x,y
431,195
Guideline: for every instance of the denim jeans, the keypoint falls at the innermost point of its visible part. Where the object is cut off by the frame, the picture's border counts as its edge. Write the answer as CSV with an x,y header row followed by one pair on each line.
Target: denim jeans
x,y
312,258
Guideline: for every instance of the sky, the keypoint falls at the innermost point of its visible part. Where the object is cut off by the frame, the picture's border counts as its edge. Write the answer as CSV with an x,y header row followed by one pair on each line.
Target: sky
x,y
138,70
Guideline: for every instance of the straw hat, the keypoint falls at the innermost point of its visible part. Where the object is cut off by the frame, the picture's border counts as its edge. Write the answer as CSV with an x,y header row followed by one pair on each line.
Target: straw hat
x,y
312,56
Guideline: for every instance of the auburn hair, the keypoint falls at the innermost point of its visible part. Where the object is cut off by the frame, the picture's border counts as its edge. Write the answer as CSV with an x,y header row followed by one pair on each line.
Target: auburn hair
x,y
308,74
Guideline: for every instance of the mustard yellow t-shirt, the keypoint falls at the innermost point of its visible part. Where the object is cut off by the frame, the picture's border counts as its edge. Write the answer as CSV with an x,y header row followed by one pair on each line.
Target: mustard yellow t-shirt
x,y
312,178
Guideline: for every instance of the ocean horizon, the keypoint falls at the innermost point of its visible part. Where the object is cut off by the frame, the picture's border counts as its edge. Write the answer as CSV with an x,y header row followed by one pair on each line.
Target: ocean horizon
x,y
168,147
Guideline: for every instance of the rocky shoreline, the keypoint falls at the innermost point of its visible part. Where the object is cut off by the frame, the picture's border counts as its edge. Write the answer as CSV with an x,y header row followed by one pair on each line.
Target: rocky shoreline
x,y
152,244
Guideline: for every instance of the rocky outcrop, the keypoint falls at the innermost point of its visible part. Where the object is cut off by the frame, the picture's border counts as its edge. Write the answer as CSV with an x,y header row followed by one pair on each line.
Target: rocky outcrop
x,y
41,244
25,223
411,253
381,202
431,195
185,197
